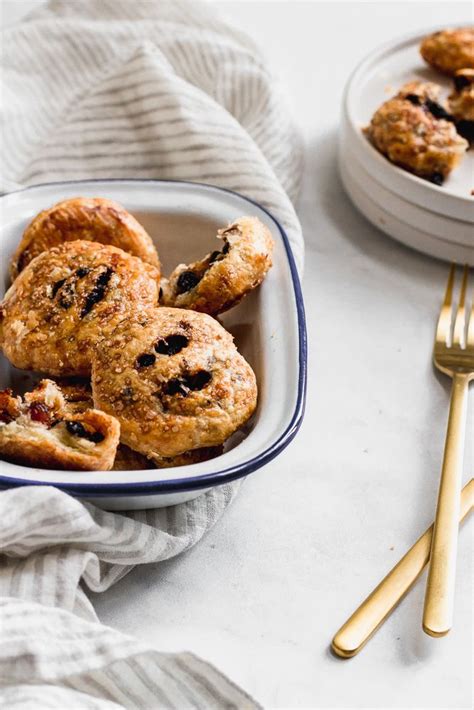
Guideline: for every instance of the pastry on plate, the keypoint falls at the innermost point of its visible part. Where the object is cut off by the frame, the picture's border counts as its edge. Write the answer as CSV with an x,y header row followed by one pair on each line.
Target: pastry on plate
x,y
41,431
461,103
93,219
62,305
449,50
222,278
175,381
415,131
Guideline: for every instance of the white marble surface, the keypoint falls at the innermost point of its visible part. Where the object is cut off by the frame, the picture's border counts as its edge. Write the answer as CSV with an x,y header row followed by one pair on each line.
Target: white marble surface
x,y
310,535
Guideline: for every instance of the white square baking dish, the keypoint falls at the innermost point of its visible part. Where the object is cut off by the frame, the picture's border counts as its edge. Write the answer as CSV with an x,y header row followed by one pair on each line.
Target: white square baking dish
x,y
269,330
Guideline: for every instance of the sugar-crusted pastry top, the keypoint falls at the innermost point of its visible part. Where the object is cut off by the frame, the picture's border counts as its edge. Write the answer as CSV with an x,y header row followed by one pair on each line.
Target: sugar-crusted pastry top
x,y
175,381
449,50
66,300
415,131
93,219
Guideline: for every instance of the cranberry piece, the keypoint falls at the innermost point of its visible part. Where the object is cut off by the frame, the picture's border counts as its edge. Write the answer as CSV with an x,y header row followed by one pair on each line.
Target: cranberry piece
x,y
40,412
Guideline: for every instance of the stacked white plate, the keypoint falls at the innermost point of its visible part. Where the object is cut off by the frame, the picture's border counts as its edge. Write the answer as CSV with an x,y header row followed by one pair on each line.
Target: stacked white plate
x,y
436,220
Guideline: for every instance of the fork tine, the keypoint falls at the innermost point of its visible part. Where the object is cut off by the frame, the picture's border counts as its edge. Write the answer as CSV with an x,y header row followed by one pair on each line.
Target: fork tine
x,y
460,322
470,327
443,329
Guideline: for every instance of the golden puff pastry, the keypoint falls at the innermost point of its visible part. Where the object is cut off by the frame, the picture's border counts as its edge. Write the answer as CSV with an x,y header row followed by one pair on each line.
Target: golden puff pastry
x,y
449,50
79,398
65,302
222,278
93,219
461,103
414,130
40,430
175,381
78,395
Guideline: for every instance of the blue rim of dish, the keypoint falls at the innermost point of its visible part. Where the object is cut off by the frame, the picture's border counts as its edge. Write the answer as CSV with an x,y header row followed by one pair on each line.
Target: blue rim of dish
x,y
207,480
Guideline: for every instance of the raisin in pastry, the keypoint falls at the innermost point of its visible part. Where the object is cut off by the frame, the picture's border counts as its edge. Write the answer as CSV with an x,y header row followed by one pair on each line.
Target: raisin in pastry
x,y
175,381
66,300
222,278
87,218
415,131
461,103
449,50
40,430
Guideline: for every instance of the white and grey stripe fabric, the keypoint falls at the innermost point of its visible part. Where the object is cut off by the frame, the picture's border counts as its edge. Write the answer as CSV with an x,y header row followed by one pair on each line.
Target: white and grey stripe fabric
x,y
145,88
123,88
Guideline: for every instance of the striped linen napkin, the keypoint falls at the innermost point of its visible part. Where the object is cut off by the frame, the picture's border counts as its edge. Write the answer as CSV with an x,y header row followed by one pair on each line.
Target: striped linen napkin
x,y
123,88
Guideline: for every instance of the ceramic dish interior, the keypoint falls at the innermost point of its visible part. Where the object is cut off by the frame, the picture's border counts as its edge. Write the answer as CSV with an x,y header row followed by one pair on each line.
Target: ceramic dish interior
x,y
268,326
376,79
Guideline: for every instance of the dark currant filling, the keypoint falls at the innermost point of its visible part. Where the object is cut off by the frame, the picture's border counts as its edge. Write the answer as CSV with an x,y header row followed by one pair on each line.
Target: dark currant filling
x,y
21,263
68,287
187,280
79,430
171,345
433,107
66,298
436,178
466,129
57,286
461,82
40,413
188,383
98,292
218,255
145,360
437,110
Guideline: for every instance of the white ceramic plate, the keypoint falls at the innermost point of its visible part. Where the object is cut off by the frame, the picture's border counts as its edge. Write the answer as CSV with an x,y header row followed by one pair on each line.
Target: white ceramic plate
x,y
385,216
375,79
269,329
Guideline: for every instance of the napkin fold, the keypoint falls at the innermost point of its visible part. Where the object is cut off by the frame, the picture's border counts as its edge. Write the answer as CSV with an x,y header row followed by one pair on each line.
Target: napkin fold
x,y
123,89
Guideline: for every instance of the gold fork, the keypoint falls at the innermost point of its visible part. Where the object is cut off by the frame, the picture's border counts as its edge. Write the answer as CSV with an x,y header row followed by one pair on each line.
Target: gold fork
x,y
453,355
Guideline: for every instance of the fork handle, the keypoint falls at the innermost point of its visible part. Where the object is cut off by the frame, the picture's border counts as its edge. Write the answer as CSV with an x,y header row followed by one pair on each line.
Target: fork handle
x,y
439,599
374,610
